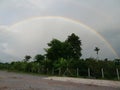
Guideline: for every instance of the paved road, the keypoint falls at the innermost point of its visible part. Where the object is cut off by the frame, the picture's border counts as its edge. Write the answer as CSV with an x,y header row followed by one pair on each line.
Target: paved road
x,y
13,81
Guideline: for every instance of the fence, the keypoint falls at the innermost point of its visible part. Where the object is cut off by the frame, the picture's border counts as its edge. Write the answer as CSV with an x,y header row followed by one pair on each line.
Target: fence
x,y
87,73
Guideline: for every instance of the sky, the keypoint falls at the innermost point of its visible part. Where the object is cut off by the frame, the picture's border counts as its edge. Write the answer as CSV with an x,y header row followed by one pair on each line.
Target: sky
x,y
26,26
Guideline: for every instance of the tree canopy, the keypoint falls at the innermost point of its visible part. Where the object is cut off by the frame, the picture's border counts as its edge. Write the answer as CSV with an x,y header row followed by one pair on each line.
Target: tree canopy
x,y
68,49
27,57
75,43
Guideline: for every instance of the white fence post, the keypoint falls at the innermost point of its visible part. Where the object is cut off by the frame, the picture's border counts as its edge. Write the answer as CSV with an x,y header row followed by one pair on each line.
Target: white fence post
x,y
117,73
89,72
102,71
77,72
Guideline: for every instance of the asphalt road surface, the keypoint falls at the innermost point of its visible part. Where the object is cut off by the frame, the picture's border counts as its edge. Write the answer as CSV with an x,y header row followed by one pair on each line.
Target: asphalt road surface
x,y
15,81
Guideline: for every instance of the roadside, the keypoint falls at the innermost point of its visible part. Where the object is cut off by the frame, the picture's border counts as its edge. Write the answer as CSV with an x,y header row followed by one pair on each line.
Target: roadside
x,y
18,81
87,81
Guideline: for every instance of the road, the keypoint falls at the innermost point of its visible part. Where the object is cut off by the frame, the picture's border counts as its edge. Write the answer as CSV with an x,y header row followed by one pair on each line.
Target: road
x,y
15,81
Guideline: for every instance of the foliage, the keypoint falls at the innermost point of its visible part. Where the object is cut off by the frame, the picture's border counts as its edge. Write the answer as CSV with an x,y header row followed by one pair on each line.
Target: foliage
x,y
75,43
46,66
64,57
69,49
55,50
27,57
39,58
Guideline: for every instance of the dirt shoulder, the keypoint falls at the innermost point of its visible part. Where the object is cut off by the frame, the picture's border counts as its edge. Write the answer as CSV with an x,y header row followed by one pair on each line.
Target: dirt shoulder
x,y
87,81
16,81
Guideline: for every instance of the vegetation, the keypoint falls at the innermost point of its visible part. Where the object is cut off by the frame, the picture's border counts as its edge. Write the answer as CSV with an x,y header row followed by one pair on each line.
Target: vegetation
x,y
97,50
63,58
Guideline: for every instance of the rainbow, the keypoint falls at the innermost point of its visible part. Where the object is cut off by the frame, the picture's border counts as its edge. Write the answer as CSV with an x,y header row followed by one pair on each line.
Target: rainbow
x,y
72,21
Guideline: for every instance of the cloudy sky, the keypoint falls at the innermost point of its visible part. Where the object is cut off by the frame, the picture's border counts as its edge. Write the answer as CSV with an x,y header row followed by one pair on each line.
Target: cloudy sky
x,y
26,26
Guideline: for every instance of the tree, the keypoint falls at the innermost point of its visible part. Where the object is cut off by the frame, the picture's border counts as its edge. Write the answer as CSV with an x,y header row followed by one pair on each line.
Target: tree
x,y
97,50
75,43
117,61
27,57
54,51
39,58
66,50
60,63
69,49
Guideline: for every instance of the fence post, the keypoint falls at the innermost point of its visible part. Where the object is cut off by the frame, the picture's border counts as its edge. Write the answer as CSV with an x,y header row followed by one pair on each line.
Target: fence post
x,y
89,72
47,70
67,71
77,72
102,72
59,71
53,71
117,73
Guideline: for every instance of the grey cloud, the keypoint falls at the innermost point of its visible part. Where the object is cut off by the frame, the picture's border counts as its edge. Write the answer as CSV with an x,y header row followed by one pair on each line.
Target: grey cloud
x,y
103,16
32,37
113,38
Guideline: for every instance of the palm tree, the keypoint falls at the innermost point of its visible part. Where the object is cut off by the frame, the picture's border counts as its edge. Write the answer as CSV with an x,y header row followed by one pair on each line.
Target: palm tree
x,y
97,50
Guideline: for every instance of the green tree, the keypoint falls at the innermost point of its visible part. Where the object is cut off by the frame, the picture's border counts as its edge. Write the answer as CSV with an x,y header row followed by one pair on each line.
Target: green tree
x,y
54,52
97,50
117,61
39,58
69,49
60,63
27,58
75,43
66,51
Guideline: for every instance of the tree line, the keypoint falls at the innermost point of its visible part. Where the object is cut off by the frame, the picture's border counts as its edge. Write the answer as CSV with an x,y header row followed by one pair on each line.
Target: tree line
x,y
63,58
